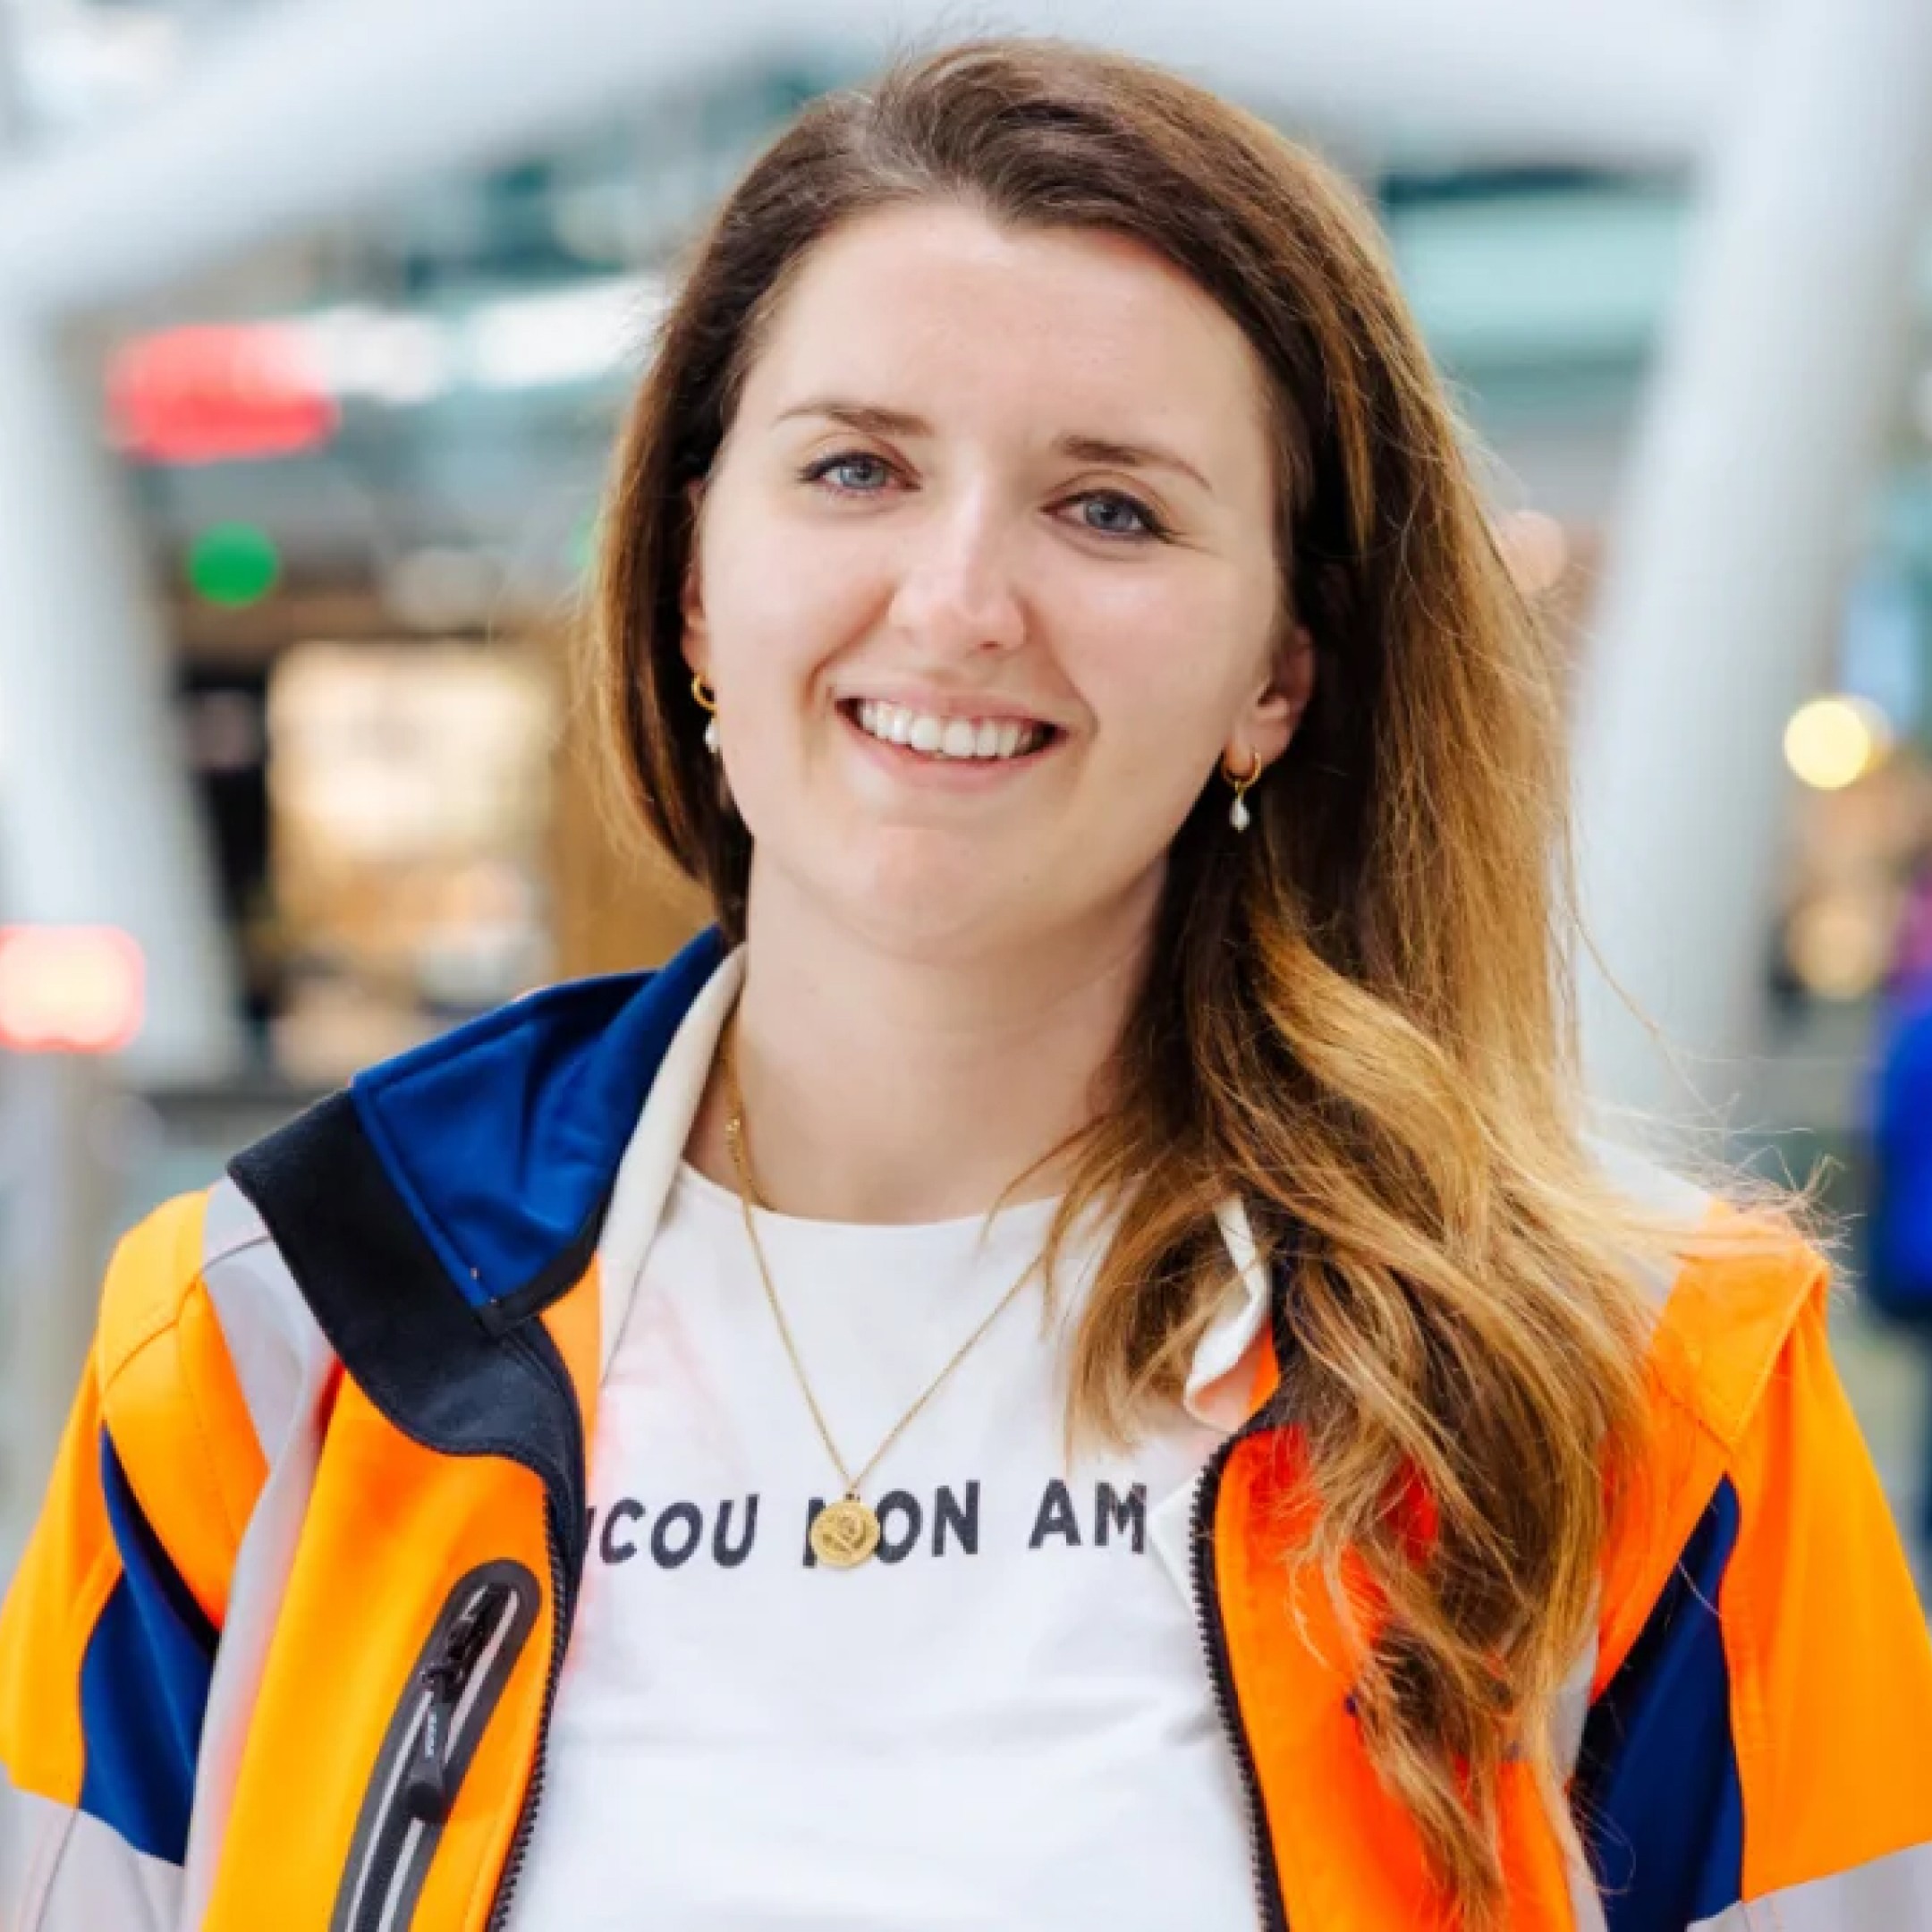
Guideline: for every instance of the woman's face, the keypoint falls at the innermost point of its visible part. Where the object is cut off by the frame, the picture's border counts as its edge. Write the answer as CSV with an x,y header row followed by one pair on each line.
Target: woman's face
x,y
986,580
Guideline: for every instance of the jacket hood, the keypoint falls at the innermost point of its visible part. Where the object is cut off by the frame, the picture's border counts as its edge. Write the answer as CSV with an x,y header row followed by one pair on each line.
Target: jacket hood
x,y
503,1137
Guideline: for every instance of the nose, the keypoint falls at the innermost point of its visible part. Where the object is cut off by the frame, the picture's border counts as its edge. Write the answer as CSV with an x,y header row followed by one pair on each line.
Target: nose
x,y
957,594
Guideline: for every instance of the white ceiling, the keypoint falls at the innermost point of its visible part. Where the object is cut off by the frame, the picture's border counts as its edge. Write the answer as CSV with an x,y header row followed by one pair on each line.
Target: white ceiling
x,y
431,86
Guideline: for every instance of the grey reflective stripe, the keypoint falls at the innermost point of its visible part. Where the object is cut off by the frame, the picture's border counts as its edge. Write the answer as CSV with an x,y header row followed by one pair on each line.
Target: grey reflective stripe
x,y
228,1222
1651,1190
1573,1712
266,1326
285,1369
1889,1894
1586,1902
255,1594
1574,1706
1654,1189
64,1871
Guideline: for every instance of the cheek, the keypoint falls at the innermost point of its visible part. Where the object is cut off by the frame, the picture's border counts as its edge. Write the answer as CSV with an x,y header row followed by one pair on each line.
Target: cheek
x,y
747,612
774,624
1165,663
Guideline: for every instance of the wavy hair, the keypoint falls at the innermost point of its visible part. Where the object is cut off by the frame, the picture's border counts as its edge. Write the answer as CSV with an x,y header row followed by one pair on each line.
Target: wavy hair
x,y
1358,1017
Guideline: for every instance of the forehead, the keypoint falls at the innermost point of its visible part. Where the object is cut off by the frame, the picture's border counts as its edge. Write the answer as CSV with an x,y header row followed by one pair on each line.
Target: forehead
x,y
1083,328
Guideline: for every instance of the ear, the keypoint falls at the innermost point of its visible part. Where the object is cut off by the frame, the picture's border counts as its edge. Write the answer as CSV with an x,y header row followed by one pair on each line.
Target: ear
x,y
1268,721
696,642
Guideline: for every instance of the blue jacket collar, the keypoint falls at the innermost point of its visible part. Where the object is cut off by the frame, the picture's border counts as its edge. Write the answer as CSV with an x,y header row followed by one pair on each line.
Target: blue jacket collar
x,y
503,1137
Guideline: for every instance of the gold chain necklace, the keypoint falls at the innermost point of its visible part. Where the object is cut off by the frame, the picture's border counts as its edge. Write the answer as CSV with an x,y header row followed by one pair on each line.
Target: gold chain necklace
x,y
846,1532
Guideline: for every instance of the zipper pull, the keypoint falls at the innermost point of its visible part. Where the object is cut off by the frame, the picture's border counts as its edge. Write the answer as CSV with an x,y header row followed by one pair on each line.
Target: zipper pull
x,y
426,1787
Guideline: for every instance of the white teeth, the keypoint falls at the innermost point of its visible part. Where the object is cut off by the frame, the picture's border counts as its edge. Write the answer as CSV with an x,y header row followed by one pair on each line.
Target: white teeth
x,y
944,737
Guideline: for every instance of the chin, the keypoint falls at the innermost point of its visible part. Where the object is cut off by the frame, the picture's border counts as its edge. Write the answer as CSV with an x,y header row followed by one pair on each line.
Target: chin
x,y
936,906
942,899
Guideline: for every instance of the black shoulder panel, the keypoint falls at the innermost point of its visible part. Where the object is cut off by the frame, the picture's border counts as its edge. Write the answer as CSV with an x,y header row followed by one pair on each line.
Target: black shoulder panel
x,y
416,1348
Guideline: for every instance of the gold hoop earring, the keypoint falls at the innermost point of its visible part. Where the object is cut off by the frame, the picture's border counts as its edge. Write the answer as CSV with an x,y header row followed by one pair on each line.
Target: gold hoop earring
x,y
1239,815
707,702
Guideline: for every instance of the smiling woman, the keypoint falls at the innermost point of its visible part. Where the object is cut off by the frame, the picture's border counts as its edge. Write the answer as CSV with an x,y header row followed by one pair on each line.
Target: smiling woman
x,y
1071,1365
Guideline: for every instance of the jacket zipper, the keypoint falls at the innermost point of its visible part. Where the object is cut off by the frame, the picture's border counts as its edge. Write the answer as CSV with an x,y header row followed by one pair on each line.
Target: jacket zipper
x,y
453,1690
1273,1909
564,1526
512,1871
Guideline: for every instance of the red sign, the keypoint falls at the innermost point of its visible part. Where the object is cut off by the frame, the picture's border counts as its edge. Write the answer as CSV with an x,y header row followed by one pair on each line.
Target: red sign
x,y
218,393
70,989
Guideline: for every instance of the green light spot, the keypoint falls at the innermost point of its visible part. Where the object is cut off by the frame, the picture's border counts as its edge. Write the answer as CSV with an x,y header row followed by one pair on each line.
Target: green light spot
x,y
234,564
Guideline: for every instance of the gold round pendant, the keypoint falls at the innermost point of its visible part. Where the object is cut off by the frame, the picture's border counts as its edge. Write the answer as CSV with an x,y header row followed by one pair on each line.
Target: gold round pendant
x,y
844,1533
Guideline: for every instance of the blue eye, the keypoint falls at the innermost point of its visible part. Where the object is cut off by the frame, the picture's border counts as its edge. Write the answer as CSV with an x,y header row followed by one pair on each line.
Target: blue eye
x,y
1108,514
862,475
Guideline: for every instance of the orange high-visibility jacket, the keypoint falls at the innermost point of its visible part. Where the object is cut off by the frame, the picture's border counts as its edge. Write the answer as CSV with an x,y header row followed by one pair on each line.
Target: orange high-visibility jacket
x,y
281,1653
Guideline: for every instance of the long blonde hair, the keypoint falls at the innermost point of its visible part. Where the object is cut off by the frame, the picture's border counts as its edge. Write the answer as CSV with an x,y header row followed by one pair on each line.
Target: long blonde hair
x,y
1356,1017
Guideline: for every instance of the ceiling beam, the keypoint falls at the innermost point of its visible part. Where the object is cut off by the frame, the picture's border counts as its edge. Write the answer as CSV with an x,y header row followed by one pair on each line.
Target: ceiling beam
x,y
319,108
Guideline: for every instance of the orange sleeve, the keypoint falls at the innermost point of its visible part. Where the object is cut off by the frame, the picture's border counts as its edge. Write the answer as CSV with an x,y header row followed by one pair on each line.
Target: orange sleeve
x,y
1829,1660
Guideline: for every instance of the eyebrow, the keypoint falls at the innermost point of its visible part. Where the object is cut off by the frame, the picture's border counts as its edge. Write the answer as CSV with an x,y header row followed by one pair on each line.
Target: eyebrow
x,y
871,419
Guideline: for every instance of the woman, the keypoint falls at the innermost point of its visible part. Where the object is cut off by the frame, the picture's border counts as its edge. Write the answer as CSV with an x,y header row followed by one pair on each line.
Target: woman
x,y
1069,1366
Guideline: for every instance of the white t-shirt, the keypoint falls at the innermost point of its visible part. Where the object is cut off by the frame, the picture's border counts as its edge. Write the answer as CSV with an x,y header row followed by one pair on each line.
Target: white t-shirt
x,y
1004,1719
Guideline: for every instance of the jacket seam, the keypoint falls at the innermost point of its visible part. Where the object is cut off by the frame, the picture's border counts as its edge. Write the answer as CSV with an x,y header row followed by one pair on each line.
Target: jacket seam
x,y
192,1405
1698,1412
1818,1283
1728,1430
262,1238
168,1317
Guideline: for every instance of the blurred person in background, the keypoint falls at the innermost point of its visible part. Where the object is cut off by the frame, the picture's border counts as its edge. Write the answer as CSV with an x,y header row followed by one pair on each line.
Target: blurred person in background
x,y
1070,1363
1898,1228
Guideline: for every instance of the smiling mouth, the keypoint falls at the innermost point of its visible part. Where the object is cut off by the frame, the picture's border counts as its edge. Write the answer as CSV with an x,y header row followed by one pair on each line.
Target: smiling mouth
x,y
991,739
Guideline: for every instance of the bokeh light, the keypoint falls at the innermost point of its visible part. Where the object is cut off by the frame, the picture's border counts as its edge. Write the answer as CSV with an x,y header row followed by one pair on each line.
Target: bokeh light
x,y
69,988
1832,742
234,564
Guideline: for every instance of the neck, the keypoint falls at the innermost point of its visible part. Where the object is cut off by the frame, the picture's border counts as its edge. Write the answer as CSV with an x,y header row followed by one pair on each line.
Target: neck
x,y
880,1086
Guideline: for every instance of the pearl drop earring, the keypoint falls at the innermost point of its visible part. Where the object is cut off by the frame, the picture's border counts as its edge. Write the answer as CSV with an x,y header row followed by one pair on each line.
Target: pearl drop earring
x,y
708,701
1239,815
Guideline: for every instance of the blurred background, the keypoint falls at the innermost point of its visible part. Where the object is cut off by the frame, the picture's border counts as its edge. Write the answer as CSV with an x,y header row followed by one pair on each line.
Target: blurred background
x,y
316,320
